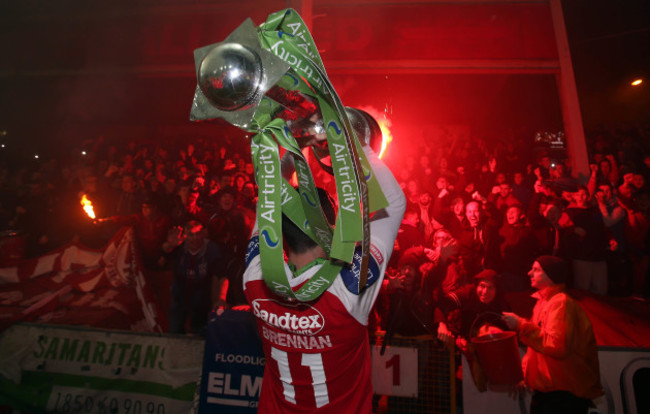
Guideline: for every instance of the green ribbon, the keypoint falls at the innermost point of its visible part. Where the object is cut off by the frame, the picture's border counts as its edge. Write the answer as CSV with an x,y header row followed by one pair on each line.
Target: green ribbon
x,y
266,159
286,35
315,222
265,153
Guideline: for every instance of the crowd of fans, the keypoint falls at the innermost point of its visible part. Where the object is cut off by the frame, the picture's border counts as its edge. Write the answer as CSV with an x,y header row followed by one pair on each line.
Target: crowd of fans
x,y
191,205
471,206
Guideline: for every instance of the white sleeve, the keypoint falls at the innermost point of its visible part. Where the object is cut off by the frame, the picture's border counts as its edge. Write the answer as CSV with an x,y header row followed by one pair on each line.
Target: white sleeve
x,y
383,231
385,223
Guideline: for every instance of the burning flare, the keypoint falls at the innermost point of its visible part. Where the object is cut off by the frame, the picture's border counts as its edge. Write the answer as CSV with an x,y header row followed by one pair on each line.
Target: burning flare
x,y
386,135
384,124
87,206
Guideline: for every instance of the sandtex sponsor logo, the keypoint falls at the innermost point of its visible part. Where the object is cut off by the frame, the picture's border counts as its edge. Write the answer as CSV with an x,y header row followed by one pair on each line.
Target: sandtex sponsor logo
x,y
301,318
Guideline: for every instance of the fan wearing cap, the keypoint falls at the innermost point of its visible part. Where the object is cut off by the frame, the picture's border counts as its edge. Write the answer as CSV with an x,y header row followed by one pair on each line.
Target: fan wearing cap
x,y
477,300
470,311
561,363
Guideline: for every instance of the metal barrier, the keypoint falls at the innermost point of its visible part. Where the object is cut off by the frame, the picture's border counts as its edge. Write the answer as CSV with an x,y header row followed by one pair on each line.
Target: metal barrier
x,y
433,389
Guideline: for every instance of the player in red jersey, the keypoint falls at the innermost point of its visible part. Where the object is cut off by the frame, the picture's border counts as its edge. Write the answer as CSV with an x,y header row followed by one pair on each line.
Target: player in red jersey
x,y
318,352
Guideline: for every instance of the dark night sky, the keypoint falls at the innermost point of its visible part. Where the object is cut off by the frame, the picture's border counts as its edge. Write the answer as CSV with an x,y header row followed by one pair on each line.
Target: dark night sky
x,y
610,46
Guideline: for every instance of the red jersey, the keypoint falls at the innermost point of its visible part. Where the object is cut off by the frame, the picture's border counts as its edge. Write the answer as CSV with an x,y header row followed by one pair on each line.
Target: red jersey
x,y
318,352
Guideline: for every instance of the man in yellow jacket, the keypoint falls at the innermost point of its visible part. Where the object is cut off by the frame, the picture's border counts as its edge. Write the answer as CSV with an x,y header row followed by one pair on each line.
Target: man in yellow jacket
x,y
561,363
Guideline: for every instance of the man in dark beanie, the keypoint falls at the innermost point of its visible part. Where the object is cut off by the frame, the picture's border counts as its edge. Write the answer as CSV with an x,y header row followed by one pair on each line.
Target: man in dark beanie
x,y
554,267
561,363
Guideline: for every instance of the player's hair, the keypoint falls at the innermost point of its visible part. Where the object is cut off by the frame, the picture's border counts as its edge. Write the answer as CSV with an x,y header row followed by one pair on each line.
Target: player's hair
x,y
297,241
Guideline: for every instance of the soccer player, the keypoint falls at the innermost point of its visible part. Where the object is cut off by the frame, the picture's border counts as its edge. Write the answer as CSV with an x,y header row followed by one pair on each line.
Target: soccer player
x,y
318,353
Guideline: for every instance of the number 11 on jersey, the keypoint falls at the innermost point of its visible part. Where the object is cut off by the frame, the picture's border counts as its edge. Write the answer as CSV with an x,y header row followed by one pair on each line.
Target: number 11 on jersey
x,y
318,380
